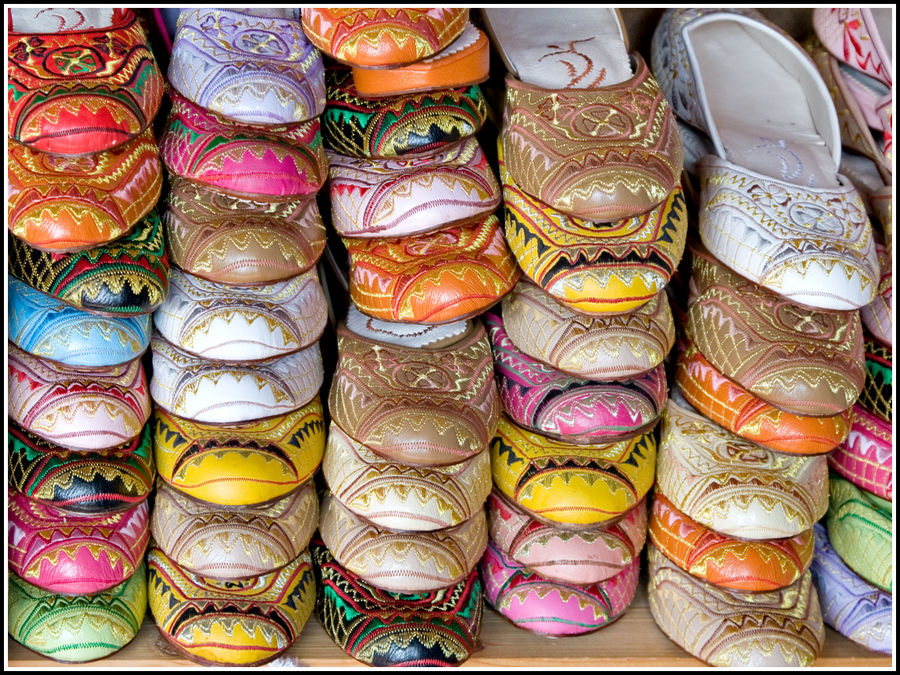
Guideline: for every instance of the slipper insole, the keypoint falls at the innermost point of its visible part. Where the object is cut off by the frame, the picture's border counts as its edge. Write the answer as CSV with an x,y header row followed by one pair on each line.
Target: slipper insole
x,y
564,48
761,106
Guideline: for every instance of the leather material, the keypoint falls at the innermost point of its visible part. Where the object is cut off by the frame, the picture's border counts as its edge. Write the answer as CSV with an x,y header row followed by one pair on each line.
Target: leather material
x,y
61,204
782,628
397,496
223,322
728,404
216,392
74,92
238,623
580,557
573,486
239,464
853,607
77,408
756,226
407,334
733,486
416,405
77,628
396,125
382,629
240,240
402,197
739,564
861,531
46,327
254,69
464,61
547,401
805,361
401,561
877,396
81,482
595,267
233,542
450,274
851,35
555,151
550,607
272,161
377,37
125,277
866,457
613,347
878,316
74,554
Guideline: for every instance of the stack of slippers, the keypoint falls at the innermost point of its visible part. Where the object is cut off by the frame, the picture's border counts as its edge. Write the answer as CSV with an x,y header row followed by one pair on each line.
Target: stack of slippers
x,y
238,423
852,49
413,401
772,359
86,267
590,163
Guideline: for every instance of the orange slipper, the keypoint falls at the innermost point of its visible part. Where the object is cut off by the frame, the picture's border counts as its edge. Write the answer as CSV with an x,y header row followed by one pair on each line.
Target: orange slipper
x,y
447,275
466,61
723,560
732,406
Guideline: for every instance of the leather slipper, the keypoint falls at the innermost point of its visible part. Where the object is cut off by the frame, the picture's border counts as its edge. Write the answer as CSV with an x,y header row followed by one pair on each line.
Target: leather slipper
x,y
865,458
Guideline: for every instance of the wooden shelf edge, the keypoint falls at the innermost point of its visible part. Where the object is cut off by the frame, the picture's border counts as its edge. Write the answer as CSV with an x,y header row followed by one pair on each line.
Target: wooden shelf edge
x,y
631,641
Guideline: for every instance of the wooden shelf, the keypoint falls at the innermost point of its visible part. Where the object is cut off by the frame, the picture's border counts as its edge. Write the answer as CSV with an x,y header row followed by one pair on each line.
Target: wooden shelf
x,y
632,641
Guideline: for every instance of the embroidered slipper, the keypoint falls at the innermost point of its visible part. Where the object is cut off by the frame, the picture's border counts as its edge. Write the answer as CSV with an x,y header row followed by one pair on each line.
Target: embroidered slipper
x,y
549,402
240,464
77,628
219,392
609,347
732,406
450,274
772,205
402,561
382,629
230,622
61,204
726,561
396,125
398,496
233,542
416,397
551,607
730,484
851,605
402,197
49,328
240,240
378,37
465,61
861,531
594,267
223,322
802,360
781,629
79,84
127,276
580,557
865,458
878,316
249,68
877,394
246,160
586,129
75,554
77,408
571,486
81,482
